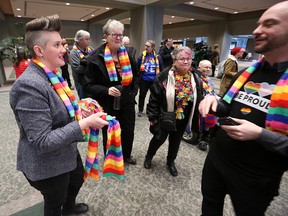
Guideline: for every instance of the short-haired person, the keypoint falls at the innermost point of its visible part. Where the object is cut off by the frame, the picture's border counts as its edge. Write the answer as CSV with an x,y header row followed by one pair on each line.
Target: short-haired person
x,y
230,68
149,65
112,73
21,63
78,61
248,161
165,52
177,92
47,151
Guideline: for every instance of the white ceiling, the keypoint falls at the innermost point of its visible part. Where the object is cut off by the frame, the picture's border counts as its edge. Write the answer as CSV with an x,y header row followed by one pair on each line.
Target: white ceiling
x,y
175,11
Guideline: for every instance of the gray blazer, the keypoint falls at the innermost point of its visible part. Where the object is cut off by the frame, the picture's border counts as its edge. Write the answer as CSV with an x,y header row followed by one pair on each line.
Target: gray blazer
x,y
48,135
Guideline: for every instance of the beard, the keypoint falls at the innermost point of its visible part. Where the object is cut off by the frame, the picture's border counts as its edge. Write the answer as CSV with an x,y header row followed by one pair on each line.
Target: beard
x,y
270,44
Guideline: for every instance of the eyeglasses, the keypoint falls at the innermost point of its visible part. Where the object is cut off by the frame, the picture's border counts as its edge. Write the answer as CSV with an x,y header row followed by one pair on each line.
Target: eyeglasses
x,y
114,36
185,59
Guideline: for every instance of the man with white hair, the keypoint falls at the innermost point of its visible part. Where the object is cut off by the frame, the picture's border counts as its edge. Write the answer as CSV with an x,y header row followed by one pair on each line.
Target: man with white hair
x,y
78,60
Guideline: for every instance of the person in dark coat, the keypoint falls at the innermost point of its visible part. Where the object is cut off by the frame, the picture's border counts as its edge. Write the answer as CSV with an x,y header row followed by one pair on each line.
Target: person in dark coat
x,y
165,52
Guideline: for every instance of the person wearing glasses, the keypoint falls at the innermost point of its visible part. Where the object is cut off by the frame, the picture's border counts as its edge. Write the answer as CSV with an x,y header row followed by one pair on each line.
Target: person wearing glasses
x,y
149,64
176,92
112,75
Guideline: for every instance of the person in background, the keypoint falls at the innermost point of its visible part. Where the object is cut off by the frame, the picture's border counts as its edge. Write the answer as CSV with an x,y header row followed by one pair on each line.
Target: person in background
x,y
178,91
149,64
206,124
112,73
21,62
47,152
64,68
230,68
78,60
215,58
126,43
247,161
165,52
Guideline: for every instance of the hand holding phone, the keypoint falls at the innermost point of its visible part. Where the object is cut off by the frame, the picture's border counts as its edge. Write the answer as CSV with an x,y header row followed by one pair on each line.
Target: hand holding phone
x,y
227,121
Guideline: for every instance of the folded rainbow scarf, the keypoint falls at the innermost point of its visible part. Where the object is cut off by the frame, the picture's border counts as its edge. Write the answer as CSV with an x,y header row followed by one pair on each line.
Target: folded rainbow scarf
x,y
124,61
206,85
113,164
79,52
277,116
62,89
142,67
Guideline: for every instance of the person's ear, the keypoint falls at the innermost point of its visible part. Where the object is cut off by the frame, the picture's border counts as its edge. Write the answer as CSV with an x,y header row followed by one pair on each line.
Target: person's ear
x,y
38,50
105,36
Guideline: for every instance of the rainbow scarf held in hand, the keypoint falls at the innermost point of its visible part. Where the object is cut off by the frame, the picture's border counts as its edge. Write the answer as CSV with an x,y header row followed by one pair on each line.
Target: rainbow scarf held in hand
x,y
124,61
62,89
113,164
277,116
79,52
142,67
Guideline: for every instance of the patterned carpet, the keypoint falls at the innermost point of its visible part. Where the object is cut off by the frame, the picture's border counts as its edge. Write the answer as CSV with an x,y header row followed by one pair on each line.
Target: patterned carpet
x,y
144,192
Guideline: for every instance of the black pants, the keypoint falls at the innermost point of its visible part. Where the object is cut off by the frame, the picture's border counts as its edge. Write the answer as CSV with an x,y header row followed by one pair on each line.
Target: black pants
x,y
65,74
174,141
60,190
250,194
126,118
144,87
213,70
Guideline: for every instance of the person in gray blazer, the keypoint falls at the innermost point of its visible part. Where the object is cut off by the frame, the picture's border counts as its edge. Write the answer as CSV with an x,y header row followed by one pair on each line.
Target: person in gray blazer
x,y
47,151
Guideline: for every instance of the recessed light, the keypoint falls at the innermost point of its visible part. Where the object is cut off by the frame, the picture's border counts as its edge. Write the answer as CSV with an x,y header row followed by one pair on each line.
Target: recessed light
x,y
67,3
191,2
107,8
235,12
18,9
129,18
172,16
170,22
19,16
82,20
192,19
216,8
92,15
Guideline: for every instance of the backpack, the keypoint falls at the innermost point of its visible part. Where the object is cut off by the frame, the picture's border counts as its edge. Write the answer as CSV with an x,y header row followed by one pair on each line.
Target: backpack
x,y
220,69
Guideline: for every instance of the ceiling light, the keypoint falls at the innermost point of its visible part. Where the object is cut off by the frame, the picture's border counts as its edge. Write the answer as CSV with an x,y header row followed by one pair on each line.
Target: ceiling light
x,y
191,2
216,8
172,16
82,20
129,18
235,12
18,9
107,8
67,4
170,22
19,16
92,15
192,19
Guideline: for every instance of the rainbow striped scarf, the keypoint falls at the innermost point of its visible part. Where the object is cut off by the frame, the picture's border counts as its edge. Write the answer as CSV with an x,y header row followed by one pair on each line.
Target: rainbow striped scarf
x,y
124,61
113,164
142,67
206,85
79,52
277,116
62,89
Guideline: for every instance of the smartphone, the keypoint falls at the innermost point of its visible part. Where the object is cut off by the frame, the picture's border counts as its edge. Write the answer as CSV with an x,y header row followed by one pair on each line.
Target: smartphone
x,y
227,121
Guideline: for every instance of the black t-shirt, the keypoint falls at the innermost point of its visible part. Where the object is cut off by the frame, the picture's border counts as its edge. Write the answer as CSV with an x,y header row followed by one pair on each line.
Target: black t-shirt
x,y
251,103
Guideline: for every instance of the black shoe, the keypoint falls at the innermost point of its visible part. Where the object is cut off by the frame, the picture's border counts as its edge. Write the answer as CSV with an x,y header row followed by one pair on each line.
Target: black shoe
x,y
79,208
172,169
147,163
130,160
202,145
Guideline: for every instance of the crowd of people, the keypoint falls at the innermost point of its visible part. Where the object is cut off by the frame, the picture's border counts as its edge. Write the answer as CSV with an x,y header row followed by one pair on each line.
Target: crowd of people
x,y
245,160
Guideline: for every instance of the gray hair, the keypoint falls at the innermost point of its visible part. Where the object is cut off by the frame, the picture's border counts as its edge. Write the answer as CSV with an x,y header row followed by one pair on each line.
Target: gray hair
x,y
152,42
179,49
80,35
125,40
111,25
204,62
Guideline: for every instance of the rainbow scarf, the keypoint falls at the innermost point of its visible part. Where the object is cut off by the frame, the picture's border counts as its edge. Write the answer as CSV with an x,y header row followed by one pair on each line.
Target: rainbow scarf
x,y
79,52
142,67
124,61
206,85
113,164
277,116
62,89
